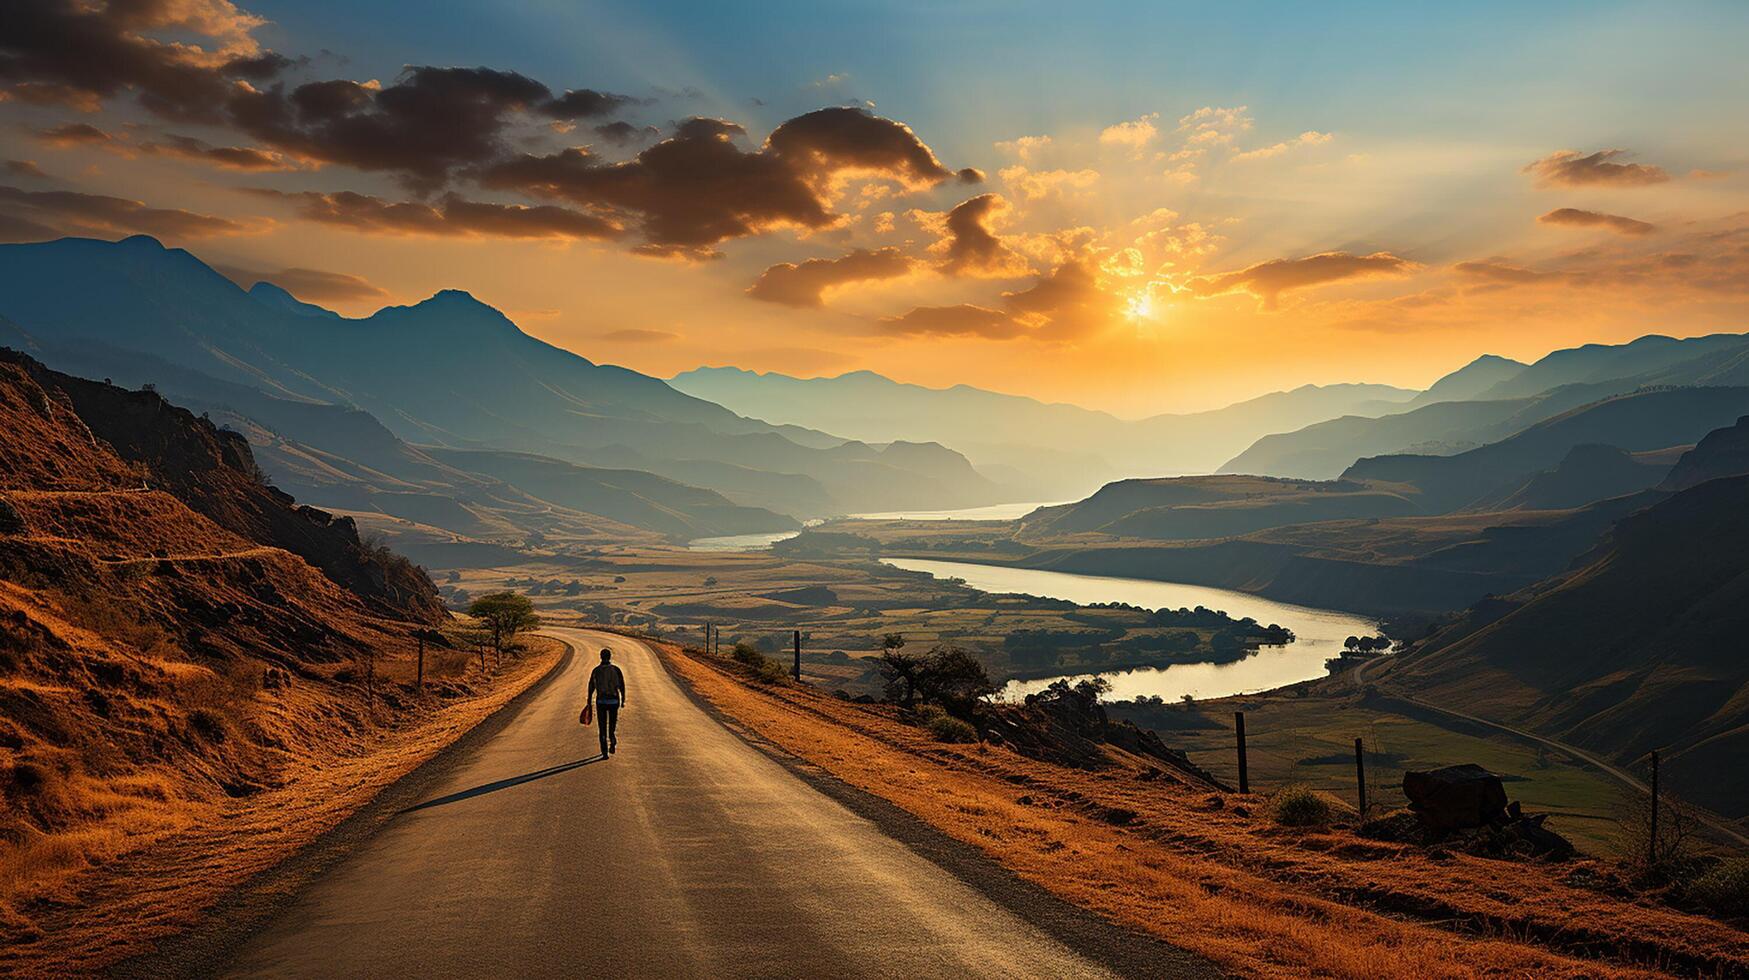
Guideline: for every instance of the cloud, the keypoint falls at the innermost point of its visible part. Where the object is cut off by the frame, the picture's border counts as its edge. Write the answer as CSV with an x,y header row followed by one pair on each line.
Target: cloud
x,y
1063,305
25,168
622,133
451,217
1597,219
1212,125
1132,135
635,336
73,134
962,320
1034,185
969,245
69,212
1268,280
244,158
78,53
1494,271
584,103
1570,168
805,285
1310,137
699,187
1025,147
310,285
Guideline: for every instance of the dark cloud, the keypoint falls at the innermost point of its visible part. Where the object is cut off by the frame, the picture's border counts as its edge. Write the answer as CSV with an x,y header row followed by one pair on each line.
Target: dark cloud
x,y
701,187
971,246
1597,219
1063,305
451,217
246,158
71,212
25,168
962,320
422,128
584,103
622,133
310,285
77,53
1268,280
1570,168
806,284
73,134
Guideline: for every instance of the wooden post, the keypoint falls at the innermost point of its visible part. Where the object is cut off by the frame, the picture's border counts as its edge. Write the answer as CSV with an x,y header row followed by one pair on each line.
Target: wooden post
x,y
1360,776
798,655
1652,838
707,636
1244,774
421,661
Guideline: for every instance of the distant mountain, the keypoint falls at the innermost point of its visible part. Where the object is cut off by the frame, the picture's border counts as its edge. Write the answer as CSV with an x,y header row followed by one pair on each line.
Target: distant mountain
x,y
1640,648
1595,363
345,458
1656,419
1555,384
1471,380
1195,507
448,371
1588,473
1057,449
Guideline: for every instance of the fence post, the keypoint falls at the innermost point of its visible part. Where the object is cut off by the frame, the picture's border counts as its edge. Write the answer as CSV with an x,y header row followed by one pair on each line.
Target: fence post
x,y
707,636
1652,838
1244,774
798,655
1360,776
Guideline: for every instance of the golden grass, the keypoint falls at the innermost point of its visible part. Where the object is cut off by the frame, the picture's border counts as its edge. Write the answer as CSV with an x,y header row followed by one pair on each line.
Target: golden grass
x,y
1258,899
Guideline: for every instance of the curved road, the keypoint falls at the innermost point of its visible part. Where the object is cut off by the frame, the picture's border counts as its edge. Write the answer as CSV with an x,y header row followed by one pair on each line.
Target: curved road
x,y
689,853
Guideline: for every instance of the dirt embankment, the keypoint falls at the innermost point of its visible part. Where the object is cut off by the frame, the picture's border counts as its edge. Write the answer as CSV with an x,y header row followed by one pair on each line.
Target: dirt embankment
x,y
1211,872
196,676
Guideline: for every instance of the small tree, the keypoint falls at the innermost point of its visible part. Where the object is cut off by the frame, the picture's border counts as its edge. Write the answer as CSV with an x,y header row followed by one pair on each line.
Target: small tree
x,y
504,614
954,679
900,671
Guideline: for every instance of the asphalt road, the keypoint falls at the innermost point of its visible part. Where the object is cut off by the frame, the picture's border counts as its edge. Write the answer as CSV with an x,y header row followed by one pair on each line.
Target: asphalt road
x,y
689,853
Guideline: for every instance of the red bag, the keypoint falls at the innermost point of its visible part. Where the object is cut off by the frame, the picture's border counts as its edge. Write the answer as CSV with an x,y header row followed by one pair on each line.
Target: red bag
x,y
586,716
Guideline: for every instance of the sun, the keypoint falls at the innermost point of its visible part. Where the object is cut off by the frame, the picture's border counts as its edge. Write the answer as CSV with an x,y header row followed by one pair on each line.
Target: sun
x,y
1140,307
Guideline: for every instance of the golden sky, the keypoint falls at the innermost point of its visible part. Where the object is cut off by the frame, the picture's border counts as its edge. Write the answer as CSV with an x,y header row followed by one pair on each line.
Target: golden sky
x,y
1192,250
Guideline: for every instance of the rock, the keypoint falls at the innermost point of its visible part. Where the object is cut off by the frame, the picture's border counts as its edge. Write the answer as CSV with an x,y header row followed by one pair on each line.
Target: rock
x,y
1455,797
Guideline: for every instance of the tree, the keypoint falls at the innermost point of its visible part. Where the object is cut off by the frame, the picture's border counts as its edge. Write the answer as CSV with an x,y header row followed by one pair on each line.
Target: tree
x,y
504,614
953,678
900,671
892,641
1352,643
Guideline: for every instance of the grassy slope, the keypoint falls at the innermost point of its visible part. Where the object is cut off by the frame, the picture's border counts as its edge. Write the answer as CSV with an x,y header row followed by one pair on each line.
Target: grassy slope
x,y
1259,899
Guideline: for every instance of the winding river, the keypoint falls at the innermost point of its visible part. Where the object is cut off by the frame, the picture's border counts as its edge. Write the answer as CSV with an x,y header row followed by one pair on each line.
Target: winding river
x,y
1318,632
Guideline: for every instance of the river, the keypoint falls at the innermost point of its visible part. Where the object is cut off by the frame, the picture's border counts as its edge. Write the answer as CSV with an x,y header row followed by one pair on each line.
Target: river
x,y
1318,632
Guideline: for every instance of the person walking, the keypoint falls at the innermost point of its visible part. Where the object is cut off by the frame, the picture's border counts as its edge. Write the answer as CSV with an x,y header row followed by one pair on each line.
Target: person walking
x,y
607,691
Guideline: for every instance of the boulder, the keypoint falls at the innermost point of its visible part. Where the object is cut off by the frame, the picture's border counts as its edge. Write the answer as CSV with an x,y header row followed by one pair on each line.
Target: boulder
x,y
1455,797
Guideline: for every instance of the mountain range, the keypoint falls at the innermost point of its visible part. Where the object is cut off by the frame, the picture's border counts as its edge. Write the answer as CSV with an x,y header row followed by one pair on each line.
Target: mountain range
x,y
449,372
1056,450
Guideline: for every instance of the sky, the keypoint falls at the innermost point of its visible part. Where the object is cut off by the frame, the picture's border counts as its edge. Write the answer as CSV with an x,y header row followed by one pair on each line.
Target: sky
x,y
1134,207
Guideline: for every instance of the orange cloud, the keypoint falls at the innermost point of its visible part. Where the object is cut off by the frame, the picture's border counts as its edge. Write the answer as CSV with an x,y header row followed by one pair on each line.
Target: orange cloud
x,y
970,245
311,285
962,320
1597,219
806,285
27,214
451,217
1570,168
1268,280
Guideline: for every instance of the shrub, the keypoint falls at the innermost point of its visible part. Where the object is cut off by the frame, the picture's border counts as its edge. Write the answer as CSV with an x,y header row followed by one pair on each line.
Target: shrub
x,y
1300,806
947,728
1724,888
929,714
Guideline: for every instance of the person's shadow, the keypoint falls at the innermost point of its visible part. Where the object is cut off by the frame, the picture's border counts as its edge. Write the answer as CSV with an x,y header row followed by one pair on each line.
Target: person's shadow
x,y
493,787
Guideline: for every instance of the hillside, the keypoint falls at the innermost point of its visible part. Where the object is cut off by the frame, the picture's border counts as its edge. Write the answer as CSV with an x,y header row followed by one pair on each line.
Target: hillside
x,y
1521,397
1184,508
1470,381
1723,452
449,371
1638,649
177,642
1057,450
1643,420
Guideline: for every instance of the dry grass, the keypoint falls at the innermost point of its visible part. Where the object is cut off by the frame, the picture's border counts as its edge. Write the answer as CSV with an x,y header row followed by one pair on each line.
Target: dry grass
x,y
1213,873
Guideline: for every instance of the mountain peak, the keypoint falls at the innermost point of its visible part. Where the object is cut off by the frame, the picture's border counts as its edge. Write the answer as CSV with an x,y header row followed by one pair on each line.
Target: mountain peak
x,y
277,297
